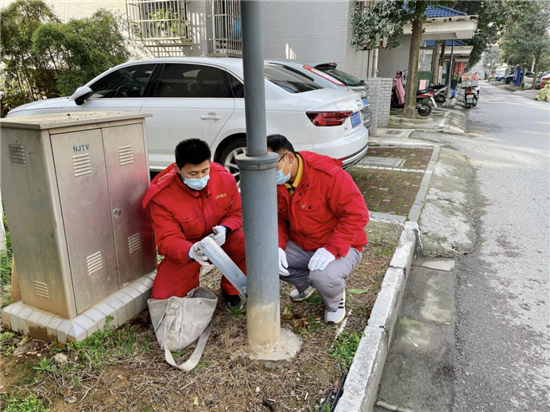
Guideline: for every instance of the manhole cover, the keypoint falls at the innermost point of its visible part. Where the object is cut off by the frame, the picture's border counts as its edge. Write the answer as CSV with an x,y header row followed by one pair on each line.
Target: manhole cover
x,y
394,132
382,161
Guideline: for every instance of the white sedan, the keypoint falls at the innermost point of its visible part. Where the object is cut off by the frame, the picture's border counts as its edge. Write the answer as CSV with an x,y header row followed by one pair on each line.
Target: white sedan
x,y
204,98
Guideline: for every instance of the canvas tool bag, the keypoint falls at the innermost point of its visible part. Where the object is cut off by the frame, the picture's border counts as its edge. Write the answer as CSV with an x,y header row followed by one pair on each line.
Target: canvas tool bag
x,y
178,322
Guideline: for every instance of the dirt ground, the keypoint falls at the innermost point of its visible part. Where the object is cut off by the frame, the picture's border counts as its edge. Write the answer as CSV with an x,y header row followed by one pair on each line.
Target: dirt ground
x,y
128,371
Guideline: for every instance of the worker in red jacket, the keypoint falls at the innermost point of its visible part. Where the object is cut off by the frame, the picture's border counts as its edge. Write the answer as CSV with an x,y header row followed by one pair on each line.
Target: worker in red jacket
x,y
322,217
191,199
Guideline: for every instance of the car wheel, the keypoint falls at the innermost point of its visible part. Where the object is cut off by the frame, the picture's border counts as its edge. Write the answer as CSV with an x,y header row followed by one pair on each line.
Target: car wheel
x,y
228,158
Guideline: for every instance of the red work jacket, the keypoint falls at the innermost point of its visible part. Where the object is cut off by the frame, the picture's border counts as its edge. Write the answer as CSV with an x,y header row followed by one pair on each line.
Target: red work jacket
x,y
326,210
183,216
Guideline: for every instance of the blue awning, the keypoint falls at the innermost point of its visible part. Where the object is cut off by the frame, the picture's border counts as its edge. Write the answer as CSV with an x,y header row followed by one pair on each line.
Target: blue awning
x,y
448,43
442,11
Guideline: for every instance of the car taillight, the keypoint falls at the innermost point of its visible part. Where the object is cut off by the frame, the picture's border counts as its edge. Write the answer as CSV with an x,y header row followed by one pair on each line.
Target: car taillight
x,y
324,75
328,118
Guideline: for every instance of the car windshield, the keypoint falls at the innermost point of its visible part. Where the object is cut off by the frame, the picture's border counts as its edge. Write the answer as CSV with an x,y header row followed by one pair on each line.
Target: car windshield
x,y
344,77
290,80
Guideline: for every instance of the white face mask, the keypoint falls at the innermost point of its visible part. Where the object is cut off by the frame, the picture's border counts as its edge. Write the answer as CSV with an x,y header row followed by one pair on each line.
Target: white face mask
x,y
196,184
280,176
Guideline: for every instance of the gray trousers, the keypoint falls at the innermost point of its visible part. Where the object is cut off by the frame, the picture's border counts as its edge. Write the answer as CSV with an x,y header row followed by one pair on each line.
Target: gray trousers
x,y
330,282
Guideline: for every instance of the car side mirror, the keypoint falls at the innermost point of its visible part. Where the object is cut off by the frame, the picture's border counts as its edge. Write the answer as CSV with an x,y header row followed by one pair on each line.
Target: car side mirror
x,y
361,82
81,95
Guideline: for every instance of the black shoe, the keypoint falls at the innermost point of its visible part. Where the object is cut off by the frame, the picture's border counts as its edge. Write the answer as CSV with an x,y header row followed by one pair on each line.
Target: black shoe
x,y
232,302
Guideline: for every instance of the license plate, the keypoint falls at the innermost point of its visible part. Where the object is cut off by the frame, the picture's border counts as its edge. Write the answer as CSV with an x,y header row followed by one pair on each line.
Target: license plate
x,y
433,102
355,119
470,98
365,101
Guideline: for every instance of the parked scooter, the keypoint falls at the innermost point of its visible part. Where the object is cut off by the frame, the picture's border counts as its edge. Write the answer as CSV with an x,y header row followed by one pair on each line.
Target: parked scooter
x,y
422,97
470,98
440,93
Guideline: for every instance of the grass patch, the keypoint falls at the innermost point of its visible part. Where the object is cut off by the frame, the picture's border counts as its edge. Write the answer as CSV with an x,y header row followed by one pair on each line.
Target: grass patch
x,y
20,403
344,348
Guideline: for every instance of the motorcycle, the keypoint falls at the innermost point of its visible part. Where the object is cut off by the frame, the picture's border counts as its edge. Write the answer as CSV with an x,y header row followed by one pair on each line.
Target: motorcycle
x,y
422,97
470,98
440,93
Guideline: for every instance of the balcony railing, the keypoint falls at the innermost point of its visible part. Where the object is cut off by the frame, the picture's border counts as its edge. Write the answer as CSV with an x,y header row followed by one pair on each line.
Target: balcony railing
x,y
159,22
224,28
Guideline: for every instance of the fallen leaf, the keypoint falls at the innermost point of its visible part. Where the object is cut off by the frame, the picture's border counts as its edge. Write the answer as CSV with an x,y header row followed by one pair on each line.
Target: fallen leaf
x,y
23,341
357,291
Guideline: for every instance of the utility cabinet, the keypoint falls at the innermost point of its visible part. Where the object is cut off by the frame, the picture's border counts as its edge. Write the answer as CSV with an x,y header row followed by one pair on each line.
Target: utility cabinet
x,y
72,187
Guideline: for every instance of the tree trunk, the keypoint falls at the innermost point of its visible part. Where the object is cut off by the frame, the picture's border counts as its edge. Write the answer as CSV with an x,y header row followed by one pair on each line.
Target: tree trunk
x,y
536,71
412,81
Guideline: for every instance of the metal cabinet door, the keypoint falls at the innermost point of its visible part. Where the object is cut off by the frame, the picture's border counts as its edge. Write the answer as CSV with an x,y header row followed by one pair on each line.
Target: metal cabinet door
x,y
128,177
82,181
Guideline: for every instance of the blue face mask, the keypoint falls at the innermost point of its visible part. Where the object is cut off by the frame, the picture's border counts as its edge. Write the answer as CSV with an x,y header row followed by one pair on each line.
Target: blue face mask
x,y
197,184
281,177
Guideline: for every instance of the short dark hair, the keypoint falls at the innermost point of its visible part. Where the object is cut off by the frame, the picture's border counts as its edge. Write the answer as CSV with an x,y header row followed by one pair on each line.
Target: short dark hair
x,y
194,151
279,144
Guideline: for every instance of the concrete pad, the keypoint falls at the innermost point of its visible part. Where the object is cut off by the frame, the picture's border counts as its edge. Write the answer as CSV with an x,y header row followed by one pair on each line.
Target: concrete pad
x,y
289,345
446,265
420,363
365,372
122,306
446,222
430,296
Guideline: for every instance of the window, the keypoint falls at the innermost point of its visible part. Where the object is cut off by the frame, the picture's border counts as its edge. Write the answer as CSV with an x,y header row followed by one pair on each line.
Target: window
x,y
224,28
126,82
158,20
344,77
237,87
191,80
290,80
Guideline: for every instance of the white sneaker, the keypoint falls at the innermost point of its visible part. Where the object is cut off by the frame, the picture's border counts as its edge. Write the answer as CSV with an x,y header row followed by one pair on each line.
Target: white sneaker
x,y
340,313
301,296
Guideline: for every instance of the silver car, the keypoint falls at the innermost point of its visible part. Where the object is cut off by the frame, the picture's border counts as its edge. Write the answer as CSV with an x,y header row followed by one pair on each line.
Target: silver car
x,y
329,81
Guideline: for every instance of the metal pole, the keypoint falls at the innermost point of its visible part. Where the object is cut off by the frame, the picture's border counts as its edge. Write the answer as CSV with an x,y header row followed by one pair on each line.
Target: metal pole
x,y
450,74
259,195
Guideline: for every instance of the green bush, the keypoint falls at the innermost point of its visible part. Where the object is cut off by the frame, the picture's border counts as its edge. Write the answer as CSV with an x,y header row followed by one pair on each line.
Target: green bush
x,y
544,94
43,57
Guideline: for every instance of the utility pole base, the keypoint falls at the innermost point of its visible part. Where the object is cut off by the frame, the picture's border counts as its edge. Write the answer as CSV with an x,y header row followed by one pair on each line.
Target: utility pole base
x,y
289,345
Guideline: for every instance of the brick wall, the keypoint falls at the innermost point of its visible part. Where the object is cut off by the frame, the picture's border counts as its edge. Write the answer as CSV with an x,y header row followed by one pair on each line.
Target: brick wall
x,y
379,96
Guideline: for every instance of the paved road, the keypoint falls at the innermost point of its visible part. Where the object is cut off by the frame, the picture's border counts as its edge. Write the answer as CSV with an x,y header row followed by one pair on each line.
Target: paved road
x,y
503,329
499,357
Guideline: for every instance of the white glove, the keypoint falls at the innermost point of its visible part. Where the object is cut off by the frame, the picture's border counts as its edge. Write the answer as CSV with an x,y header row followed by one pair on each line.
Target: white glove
x,y
283,264
320,260
196,254
219,234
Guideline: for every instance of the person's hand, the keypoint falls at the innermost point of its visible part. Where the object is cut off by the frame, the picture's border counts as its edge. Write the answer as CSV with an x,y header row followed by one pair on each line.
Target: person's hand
x,y
196,254
219,234
283,264
320,260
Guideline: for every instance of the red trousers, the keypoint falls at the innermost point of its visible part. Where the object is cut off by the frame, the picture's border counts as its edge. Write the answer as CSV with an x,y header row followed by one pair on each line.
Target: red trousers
x,y
177,279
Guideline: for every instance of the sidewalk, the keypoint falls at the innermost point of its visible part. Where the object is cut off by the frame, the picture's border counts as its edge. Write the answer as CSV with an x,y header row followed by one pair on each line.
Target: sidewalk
x,y
411,325
441,120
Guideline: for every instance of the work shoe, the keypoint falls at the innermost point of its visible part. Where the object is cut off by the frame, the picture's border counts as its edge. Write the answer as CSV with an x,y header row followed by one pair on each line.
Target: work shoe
x,y
340,314
232,301
297,296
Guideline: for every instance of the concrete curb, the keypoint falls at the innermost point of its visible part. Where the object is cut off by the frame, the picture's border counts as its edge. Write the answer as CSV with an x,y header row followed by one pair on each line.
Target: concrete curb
x,y
361,386
420,199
